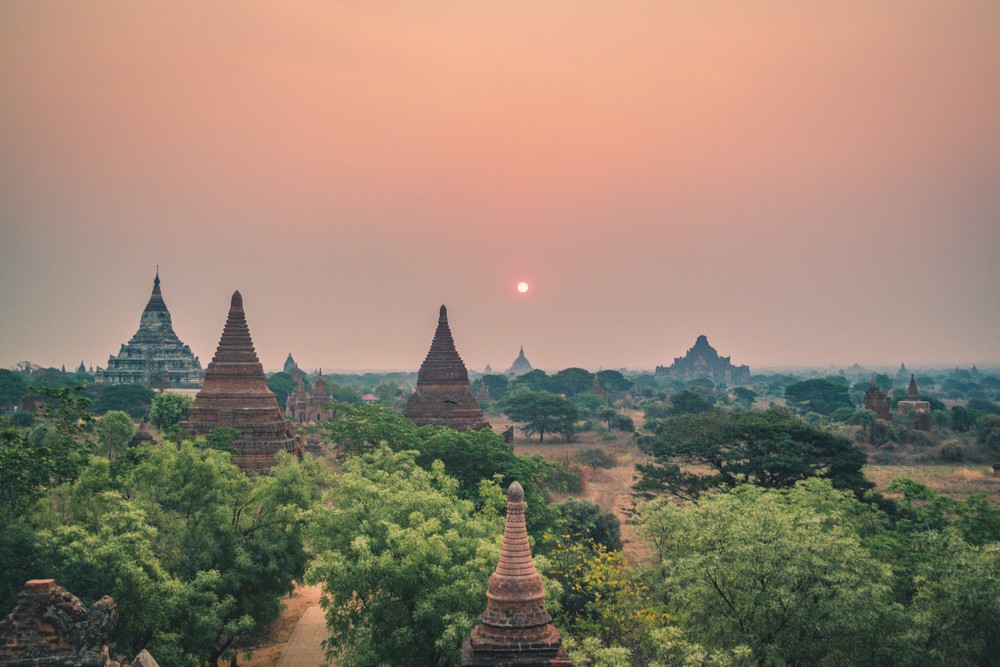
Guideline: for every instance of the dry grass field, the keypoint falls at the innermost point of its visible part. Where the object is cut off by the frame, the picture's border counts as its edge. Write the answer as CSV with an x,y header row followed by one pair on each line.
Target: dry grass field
x,y
957,481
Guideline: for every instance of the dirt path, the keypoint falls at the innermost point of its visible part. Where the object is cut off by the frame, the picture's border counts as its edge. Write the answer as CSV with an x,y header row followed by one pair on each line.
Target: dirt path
x,y
278,637
305,646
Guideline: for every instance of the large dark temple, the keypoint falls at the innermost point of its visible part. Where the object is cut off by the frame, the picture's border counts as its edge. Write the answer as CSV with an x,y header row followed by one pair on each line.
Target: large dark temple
x,y
236,396
515,629
155,356
702,361
442,396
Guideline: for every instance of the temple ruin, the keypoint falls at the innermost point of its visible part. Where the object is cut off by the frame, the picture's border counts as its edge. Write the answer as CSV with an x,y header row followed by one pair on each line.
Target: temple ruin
x,y
155,356
235,395
442,396
877,402
515,629
50,626
702,361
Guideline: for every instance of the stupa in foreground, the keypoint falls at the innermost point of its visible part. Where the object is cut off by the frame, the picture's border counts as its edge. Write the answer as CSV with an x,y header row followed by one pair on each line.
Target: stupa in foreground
x,y
443,397
235,395
515,629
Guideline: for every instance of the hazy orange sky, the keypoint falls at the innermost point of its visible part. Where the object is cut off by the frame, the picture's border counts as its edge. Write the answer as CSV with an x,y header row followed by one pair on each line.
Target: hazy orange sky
x,y
804,183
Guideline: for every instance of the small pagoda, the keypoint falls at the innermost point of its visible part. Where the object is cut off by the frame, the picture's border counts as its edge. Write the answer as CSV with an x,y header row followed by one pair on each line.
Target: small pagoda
x,y
515,629
155,356
442,396
235,395
912,404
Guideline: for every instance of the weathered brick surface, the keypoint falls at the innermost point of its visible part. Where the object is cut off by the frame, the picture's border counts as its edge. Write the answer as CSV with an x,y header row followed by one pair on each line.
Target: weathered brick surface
x,y
515,629
50,626
235,395
442,397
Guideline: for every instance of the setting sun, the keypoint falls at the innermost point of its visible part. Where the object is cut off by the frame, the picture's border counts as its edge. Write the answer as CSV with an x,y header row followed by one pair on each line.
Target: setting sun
x,y
522,287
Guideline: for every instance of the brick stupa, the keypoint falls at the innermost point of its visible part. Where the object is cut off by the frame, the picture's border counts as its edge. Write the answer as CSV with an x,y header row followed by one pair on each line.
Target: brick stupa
x,y
443,397
235,395
515,629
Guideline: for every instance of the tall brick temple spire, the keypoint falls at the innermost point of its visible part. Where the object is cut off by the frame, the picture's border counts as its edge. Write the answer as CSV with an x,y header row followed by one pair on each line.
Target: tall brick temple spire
x,y
235,395
515,629
443,397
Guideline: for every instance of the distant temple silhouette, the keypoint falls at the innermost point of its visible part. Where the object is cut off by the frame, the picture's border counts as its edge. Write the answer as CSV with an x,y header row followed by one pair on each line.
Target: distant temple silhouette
x,y
442,396
155,356
702,361
520,365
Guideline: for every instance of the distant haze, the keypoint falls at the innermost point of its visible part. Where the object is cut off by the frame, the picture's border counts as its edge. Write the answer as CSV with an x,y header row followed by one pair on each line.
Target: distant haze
x,y
804,183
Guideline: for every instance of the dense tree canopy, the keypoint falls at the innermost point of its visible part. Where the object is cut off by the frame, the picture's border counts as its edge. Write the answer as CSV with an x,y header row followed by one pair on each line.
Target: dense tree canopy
x,y
169,409
132,399
773,449
777,572
541,411
821,396
403,559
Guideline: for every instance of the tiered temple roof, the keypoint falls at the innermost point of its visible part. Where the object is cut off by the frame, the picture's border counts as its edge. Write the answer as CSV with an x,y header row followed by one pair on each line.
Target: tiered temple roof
x,y
290,364
702,361
236,396
155,356
515,629
521,365
442,396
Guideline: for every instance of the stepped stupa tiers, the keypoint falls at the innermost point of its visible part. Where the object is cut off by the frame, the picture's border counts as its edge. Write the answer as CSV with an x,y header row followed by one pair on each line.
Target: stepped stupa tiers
x,y
520,365
155,356
442,396
236,396
702,361
515,629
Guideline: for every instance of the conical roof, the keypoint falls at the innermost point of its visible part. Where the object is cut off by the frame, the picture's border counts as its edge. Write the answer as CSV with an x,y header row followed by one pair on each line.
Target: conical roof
x,y
521,365
912,394
154,356
235,395
515,628
442,396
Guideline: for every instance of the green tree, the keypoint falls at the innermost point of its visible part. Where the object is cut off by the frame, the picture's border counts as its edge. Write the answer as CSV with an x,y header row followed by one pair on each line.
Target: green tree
x,y
688,403
744,396
132,399
534,380
541,411
961,420
821,396
769,570
169,409
614,382
583,520
12,387
282,384
114,430
52,452
403,560
772,449
988,434
571,381
497,385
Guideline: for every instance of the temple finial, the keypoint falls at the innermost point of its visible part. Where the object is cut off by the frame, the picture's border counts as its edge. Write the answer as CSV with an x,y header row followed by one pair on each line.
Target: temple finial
x,y
237,300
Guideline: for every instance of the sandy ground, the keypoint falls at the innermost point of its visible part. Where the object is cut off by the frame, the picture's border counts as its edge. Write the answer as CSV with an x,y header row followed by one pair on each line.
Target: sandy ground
x,y
268,649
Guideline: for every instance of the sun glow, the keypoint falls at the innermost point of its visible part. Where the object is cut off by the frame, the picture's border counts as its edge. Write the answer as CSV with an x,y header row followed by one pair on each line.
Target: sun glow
x,y
522,287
